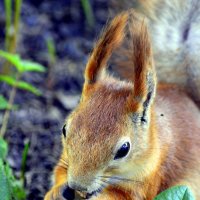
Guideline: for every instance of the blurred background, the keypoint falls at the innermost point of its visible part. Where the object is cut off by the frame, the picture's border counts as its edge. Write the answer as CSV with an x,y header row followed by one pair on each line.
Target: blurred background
x,y
44,46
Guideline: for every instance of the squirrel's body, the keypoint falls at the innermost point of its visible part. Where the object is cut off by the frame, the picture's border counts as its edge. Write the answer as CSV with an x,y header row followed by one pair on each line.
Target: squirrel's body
x,y
128,140
178,126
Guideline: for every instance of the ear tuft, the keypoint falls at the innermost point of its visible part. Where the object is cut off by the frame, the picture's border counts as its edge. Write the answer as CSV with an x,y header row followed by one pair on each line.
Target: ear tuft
x,y
144,77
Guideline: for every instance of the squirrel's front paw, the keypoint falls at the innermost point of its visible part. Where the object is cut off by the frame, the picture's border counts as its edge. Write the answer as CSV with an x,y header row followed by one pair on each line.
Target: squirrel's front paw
x,y
60,193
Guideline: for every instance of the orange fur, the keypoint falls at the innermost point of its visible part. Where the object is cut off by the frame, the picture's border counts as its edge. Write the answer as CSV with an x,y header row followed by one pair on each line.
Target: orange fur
x,y
109,40
142,61
163,128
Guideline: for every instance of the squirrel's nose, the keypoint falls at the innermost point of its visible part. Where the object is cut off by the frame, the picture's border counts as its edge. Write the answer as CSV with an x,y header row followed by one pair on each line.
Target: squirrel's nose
x,y
77,186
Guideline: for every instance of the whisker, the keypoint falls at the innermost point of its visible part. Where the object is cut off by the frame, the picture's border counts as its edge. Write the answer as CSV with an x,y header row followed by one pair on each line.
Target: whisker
x,y
112,182
120,179
96,192
108,182
63,161
100,183
62,165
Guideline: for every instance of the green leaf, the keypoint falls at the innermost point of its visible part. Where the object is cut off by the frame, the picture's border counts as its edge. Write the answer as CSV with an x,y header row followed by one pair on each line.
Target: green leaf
x,y
18,190
3,149
22,65
13,59
3,103
176,193
32,66
20,84
8,79
28,87
15,186
4,185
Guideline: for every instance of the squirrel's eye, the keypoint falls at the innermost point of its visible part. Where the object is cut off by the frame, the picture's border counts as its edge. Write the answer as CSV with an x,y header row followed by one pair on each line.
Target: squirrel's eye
x,y
64,130
123,151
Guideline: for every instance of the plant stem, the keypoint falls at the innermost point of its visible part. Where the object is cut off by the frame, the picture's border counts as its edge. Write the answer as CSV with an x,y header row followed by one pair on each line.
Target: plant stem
x,y
8,9
16,25
10,104
11,31
6,69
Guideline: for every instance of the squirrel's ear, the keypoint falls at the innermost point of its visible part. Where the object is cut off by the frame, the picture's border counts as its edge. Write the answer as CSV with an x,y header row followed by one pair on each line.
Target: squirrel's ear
x,y
110,39
144,77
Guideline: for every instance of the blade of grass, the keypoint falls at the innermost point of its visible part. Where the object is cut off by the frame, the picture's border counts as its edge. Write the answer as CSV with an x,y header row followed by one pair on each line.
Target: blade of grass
x,y
51,62
87,9
51,50
24,159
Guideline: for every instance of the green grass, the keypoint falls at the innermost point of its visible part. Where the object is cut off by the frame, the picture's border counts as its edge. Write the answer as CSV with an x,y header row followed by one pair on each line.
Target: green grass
x,y
87,9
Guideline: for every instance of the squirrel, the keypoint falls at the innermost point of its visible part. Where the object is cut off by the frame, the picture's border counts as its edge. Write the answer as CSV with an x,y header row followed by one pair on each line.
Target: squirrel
x,y
173,26
128,140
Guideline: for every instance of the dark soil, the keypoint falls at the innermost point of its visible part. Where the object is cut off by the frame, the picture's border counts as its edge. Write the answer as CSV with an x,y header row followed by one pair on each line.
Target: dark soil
x,y
40,119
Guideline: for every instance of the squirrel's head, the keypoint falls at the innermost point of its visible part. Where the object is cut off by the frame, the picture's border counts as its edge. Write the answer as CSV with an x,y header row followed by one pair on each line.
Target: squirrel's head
x,y
107,138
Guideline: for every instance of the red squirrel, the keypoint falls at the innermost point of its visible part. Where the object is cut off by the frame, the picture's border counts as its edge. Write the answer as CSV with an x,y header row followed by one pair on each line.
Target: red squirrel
x,y
128,140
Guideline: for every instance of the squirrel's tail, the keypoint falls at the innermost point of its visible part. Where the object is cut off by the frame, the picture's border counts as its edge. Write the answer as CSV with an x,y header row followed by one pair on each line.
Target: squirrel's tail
x,y
175,35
